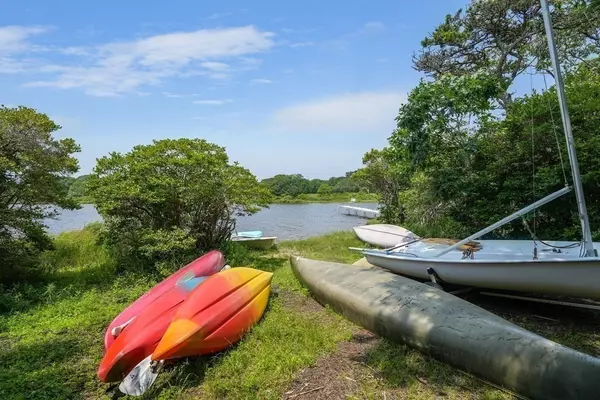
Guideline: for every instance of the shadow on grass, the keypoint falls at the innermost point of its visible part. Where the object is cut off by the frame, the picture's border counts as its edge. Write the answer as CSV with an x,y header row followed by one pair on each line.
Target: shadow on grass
x,y
402,369
40,370
573,327
266,260
269,264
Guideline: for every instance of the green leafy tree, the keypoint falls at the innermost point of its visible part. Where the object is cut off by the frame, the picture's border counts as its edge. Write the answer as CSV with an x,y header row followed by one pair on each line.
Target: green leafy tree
x,y
77,188
296,184
169,200
443,114
291,185
472,175
502,38
325,189
386,173
33,168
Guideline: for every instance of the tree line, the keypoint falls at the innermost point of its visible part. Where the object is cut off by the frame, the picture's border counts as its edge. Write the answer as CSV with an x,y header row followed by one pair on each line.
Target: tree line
x,y
296,184
469,150
279,185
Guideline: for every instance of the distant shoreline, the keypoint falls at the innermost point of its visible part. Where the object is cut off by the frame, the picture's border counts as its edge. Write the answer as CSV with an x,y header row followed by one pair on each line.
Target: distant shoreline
x,y
327,198
300,199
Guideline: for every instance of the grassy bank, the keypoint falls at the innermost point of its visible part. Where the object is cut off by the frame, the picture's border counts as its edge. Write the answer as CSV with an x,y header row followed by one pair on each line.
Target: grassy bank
x,y
327,198
51,337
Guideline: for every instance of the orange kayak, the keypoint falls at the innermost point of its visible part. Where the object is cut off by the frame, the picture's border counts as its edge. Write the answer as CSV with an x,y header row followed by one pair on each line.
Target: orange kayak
x,y
216,314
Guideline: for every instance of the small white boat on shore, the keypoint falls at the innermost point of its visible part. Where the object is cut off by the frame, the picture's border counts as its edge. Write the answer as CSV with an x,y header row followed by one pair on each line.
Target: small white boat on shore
x,y
257,243
383,235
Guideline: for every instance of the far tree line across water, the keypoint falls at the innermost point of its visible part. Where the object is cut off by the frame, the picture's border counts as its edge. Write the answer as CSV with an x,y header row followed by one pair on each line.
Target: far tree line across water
x,y
285,188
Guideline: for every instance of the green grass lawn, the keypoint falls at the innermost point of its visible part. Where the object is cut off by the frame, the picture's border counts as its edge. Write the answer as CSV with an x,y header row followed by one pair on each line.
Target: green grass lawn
x,y
51,334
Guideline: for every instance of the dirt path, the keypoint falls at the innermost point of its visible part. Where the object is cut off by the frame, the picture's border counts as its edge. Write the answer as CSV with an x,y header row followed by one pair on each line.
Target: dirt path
x,y
337,375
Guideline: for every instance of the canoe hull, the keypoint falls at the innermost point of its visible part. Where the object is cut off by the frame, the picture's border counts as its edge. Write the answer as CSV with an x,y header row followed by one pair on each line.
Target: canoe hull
x,y
203,266
578,277
452,330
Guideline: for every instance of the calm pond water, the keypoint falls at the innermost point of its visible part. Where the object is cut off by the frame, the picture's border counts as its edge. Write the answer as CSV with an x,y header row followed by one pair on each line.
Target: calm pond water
x,y
286,221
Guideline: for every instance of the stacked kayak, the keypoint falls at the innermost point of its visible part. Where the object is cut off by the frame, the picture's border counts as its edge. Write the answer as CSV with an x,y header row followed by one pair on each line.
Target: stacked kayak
x,y
203,308
206,265
216,314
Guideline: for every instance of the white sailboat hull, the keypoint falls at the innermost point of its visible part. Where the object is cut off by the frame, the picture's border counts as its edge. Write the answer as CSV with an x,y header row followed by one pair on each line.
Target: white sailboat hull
x,y
504,265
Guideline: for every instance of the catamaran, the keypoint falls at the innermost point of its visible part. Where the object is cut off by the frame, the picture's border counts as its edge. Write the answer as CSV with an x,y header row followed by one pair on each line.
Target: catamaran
x,y
550,267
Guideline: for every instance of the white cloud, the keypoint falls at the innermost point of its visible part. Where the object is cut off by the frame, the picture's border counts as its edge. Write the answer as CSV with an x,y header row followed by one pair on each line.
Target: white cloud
x,y
366,112
13,43
215,66
75,51
249,63
373,26
9,65
13,38
122,67
218,15
179,95
212,102
173,95
301,44
264,81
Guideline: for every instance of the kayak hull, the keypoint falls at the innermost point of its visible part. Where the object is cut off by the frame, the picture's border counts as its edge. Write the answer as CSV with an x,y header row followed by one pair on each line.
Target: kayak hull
x,y
216,314
452,330
140,338
203,266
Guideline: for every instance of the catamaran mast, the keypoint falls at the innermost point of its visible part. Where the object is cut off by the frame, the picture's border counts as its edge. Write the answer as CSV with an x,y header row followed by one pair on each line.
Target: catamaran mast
x,y
562,101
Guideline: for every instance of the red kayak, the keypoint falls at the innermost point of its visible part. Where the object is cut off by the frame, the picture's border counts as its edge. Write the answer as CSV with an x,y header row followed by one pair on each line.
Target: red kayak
x,y
140,338
206,265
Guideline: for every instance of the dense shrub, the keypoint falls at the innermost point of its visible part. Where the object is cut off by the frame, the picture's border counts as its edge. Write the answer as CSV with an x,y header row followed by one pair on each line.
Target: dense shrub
x,y
166,202
33,166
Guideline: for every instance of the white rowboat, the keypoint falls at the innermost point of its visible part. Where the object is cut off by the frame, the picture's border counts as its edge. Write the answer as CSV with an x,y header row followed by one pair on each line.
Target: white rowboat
x,y
262,243
383,235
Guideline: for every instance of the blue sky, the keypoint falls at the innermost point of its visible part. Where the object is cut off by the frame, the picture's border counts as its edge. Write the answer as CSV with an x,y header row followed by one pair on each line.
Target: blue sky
x,y
287,87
